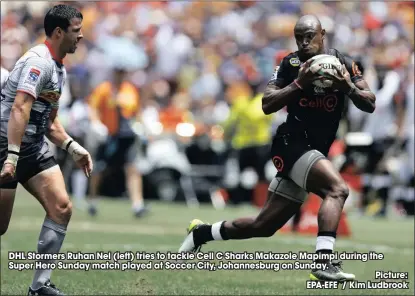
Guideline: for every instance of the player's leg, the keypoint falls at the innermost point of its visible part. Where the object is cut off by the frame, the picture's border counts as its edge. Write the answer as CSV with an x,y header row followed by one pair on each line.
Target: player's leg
x,y
296,221
7,192
323,179
284,199
49,188
133,177
7,195
42,177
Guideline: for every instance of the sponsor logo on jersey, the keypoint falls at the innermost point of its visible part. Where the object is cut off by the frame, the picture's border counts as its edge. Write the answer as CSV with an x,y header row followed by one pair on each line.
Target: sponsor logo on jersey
x,y
33,76
327,103
278,163
295,62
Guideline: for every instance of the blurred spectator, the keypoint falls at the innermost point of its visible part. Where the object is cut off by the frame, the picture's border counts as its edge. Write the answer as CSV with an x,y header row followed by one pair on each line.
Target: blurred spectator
x,y
195,52
381,125
113,105
248,130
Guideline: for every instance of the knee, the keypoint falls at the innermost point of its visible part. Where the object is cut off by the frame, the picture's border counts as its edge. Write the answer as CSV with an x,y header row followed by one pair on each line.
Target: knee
x,y
63,210
339,190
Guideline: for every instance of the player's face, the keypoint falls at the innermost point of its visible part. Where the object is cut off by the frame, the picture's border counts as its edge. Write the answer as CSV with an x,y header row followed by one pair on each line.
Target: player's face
x,y
309,41
73,35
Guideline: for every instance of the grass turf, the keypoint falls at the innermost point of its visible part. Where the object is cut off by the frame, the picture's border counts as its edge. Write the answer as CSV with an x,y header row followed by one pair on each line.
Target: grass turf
x,y
115,229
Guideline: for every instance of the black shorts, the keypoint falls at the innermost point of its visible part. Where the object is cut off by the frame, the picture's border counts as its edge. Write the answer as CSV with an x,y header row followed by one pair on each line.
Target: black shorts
x,y
289,144
116,152
34,158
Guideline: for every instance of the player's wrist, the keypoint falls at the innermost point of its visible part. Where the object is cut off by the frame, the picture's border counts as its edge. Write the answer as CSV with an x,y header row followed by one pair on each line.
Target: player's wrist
x,y
74,149
70,145
13,153
351,90
67,143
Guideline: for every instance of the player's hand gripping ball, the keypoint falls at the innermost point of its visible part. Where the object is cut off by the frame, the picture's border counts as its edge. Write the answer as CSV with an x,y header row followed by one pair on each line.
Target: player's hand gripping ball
x,y
324,66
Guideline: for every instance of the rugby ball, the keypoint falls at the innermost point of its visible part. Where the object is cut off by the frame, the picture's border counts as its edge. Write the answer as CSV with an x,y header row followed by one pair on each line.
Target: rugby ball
x,y
328,64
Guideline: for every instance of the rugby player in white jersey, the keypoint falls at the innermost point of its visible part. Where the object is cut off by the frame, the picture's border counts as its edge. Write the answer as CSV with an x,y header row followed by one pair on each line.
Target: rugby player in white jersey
x,y
29,104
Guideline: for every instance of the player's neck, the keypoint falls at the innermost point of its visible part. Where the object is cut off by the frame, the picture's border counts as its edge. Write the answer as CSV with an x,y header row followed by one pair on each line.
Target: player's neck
x,y
54,51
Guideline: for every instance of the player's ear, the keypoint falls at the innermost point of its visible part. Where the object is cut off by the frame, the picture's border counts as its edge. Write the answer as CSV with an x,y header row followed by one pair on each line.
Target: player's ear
x,y
323,34
58,32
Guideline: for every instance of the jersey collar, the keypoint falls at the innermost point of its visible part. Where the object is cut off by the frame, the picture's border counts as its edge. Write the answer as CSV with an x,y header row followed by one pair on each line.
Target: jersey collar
x,y
48,45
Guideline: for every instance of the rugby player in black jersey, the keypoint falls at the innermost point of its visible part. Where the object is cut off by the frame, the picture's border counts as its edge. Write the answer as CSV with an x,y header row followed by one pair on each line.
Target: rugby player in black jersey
x,y
299,149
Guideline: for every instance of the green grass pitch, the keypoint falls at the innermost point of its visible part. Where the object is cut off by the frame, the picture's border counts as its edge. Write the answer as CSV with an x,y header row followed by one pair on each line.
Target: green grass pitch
x,y
163,230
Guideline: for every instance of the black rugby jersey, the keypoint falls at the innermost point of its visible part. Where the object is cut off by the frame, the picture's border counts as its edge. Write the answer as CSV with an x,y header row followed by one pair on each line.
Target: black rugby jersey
x,y
317,110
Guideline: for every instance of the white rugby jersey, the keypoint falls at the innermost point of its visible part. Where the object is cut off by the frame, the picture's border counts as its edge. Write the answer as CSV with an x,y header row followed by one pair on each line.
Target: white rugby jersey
x,y
41,75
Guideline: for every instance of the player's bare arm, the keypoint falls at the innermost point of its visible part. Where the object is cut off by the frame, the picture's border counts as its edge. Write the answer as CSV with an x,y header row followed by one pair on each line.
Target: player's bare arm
x,y
19,117
362,97
58,136
56,133
276,98
359,92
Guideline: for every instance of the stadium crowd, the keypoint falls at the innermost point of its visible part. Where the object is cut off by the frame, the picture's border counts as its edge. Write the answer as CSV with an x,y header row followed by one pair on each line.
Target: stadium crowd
x,y
198,60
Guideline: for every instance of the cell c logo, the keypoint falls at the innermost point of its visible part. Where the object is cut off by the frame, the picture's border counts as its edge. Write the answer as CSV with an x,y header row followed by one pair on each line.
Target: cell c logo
x,y
330,103
278,163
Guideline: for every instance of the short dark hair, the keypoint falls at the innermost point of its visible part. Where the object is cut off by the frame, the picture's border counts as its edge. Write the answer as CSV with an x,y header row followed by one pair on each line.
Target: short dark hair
x,y
60,16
